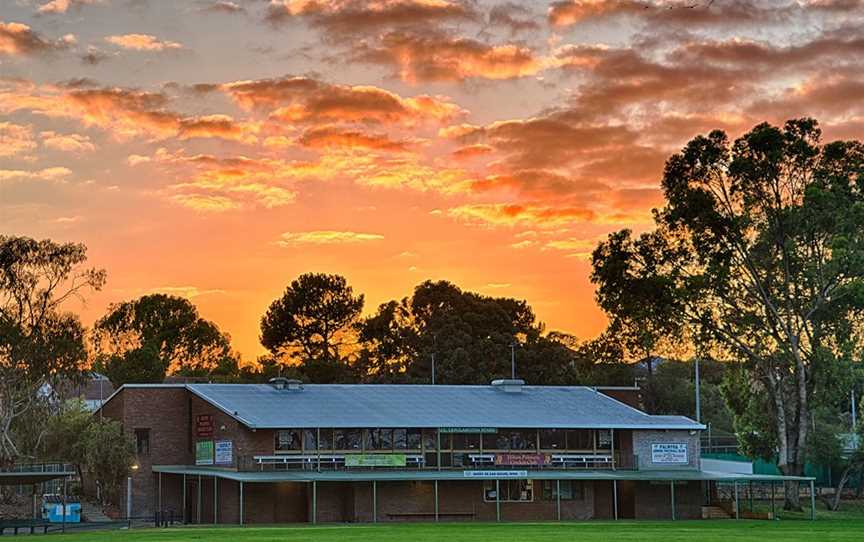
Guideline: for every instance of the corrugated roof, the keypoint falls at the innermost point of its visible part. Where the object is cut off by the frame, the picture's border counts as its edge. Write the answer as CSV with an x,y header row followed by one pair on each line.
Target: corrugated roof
x,y
365,405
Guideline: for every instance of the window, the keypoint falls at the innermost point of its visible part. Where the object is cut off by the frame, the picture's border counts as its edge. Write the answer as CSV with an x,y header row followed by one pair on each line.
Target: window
x,y
511,490
413,439
288,440
326,439
142,441
571,490
347,439
378,439
430,439
553,439
466,441
580,439
310,440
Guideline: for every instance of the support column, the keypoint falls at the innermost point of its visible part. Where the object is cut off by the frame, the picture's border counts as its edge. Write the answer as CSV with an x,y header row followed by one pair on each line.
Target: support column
x,y
737,510
558,498
672,494
436,500
612,446
241,503
497,500
159,494
185,519
215,499
314,501
438,450
64,504
198,507
374,501
615,499
812,500
773,512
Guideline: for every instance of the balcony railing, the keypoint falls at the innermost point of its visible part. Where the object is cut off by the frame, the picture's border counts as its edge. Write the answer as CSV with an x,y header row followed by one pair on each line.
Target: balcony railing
x,y
469,460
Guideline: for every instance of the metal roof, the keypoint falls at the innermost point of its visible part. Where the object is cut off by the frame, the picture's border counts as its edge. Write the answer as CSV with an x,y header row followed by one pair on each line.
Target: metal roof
x,y
262,406
395,475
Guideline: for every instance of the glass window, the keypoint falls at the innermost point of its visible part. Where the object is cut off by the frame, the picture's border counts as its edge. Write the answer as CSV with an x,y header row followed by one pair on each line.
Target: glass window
x,y
310,440
552,439
511,490
580,439
378,439
288,440
142,441
523,439
400,439
326,438
571,490
347,439
413,439
430,439
496,441
604,439
466,441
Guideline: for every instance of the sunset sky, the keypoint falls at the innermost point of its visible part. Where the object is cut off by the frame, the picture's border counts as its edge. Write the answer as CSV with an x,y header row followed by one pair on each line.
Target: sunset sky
x,y
216,149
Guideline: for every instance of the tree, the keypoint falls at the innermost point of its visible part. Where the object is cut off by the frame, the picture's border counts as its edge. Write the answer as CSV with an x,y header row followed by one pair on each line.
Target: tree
x,y
145,339
312,324
40,344
759,252
470,336
108,454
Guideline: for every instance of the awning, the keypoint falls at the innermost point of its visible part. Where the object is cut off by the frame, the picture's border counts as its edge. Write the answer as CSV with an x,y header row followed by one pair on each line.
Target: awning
x,y
29,478
430,475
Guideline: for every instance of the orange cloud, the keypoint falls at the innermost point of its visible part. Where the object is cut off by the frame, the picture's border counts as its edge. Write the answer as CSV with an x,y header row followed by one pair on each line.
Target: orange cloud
x,y
352,16
514,214
302,99
472,151
67,142
45,174
326,237
142,42
15,139
330,136
437,56
18,39
62,6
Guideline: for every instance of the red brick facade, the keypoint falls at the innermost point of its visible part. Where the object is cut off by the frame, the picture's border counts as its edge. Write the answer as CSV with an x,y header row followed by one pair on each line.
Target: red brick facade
x,y
170,414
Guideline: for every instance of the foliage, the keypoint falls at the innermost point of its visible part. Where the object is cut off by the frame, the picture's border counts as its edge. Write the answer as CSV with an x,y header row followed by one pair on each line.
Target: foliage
x,y
312,325
108,454
40,344
145,339
759,255
833,444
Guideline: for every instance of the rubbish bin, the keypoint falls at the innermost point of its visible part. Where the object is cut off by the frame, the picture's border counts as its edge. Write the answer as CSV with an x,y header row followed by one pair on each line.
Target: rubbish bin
x,y
52,509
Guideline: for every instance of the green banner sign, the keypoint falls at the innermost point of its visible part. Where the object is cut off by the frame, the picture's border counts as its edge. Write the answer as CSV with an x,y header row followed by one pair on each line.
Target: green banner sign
x,y
375,460
468,430
204,452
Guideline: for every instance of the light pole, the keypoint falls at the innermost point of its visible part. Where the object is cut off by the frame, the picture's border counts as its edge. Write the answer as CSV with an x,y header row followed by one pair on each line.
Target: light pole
x,y
433,368
698,394
513,359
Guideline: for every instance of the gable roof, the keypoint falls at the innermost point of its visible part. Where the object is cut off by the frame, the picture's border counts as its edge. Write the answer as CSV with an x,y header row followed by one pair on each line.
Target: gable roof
x,y
262,406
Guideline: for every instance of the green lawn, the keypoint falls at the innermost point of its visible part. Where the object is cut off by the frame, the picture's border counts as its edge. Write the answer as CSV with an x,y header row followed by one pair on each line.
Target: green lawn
x,y
699,531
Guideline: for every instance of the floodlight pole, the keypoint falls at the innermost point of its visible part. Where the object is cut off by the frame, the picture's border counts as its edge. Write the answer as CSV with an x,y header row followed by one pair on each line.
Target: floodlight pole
x,y
433,368
698,394
513,360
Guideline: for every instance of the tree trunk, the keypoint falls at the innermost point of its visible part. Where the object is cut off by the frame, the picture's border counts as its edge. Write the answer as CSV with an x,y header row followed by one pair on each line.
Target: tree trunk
x,y
838,491
792,489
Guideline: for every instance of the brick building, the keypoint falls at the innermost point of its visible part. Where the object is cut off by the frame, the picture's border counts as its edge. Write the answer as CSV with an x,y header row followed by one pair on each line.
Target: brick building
x,y
288,452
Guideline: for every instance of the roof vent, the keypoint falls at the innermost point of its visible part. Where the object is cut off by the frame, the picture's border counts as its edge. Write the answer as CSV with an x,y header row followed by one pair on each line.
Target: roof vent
x,y
509,385
282,383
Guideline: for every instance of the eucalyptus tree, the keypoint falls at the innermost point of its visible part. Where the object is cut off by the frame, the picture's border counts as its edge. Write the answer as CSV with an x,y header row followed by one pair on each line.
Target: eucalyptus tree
x,y
759,254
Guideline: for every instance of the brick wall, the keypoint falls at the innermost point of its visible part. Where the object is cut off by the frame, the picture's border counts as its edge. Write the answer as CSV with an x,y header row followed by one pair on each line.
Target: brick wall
x,y
642,441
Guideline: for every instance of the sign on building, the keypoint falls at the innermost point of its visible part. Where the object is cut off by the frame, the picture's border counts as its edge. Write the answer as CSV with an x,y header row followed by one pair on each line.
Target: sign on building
x,y
204,452
520,459
375,460
495,474
204,425
224,452
669,453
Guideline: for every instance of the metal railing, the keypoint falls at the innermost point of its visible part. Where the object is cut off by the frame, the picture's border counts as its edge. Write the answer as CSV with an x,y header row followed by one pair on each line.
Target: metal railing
x,y
450,460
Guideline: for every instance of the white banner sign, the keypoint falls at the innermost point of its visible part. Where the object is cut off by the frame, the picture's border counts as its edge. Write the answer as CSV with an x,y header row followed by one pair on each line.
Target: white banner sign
x,y
669,453
495,474
224,452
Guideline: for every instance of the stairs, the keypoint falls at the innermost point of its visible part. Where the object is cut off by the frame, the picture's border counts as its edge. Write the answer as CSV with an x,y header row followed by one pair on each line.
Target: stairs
x,y
92,512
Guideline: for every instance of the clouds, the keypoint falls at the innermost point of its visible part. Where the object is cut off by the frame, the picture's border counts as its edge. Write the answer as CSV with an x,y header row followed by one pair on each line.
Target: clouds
x,y
15,140
326,237
17,39
143,42
62,6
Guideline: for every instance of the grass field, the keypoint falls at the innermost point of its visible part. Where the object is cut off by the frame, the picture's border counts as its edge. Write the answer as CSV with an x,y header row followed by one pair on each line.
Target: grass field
x,y
700,531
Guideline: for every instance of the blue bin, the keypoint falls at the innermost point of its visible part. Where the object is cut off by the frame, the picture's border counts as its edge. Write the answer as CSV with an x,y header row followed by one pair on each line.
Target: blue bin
x,y
52,510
